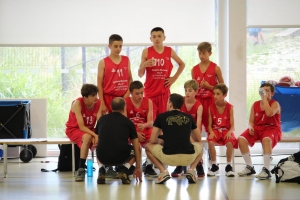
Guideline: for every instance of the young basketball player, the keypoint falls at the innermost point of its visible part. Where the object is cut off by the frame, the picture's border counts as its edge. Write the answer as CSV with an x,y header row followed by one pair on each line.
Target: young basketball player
x,y
220,129
264,125
156,63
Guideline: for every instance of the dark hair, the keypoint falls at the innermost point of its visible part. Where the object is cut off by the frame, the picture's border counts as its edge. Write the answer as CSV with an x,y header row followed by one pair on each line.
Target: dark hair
x,y
204,46
157,29
135,85
118,104
89,89
177,100
268,85
222,87
115,37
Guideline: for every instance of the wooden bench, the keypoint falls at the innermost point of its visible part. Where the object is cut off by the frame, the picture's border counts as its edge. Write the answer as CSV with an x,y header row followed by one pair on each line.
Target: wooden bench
x,y
283,140
6,142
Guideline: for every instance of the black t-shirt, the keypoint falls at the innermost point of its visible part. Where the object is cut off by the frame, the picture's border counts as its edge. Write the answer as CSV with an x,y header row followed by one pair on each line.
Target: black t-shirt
x,y
176,127
114,130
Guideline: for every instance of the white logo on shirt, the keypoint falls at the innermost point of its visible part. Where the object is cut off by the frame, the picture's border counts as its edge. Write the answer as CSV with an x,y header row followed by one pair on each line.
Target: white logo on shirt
x,y
113,70
209,75
83,115
131,112
256,114
144,111
198,78
138,115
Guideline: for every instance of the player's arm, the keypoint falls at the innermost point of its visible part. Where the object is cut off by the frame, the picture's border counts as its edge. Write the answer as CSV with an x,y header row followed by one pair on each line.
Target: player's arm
x,y
219,74
231,121
199,118
154,135
251,121
100,77
144,63
209,127
149,123
76,108
196,134
129,80
192,73
270,110
99,112
181,65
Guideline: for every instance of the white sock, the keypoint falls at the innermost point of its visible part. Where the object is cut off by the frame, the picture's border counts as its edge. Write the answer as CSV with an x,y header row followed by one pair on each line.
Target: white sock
x,y
149,161
127,165
247,158
214,162
101,165
228,163
267,160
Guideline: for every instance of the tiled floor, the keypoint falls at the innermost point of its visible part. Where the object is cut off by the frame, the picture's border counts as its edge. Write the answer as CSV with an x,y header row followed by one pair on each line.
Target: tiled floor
x,y
26,181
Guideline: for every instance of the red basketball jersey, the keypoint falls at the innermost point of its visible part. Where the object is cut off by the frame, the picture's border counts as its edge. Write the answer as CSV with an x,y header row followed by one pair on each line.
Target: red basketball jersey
x,y
115,80
137,115
156,75
193,110
261,119
89,116
209,75
220,120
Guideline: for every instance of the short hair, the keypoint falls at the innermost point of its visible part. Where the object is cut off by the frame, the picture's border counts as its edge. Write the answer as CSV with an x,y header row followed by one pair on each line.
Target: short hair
x,y
157,29
135,85
177,100
204,46
118,104
268,85
89,89
115,37
222,87
192,84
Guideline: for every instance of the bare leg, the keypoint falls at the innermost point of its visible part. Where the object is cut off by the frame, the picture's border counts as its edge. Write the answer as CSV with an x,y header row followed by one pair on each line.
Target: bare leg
x,y
229,152
86,142
153,159
243,145
212,151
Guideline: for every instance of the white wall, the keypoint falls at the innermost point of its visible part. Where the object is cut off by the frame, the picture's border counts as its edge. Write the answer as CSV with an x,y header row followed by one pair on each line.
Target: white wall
x,y
90,23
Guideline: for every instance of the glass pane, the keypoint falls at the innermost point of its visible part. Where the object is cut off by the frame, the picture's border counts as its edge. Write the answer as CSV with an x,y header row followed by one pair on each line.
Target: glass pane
x,y
271,54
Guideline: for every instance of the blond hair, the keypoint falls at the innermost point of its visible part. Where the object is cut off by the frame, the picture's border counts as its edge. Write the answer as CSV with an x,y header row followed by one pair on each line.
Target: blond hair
x,y
191,84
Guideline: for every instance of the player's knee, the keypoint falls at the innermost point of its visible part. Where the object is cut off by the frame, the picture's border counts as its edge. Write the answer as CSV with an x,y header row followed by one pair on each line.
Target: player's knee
x,y
87,138
229,144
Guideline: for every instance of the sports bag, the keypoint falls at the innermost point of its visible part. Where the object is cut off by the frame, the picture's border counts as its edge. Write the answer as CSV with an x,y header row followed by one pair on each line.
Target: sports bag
x,y
65,158
288,169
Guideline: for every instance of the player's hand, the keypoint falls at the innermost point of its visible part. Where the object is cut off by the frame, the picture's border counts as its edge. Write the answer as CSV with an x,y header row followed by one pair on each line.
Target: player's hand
x,y
204,84
169,81
211,135
251,130
137,174
141,126
149,63
228,135
103,108
141,137
95,141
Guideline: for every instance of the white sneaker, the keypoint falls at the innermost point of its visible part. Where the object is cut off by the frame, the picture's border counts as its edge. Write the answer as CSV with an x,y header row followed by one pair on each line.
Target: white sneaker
x,y
163,177
191,175
229,171
263,174
247,171
213,170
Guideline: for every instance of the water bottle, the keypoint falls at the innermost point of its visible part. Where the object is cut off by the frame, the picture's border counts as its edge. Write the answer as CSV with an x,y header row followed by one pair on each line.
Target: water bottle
x,y
90,167
262,91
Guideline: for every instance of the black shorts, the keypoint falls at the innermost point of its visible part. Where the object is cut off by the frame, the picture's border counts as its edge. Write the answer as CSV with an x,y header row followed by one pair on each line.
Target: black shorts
x,y
122,157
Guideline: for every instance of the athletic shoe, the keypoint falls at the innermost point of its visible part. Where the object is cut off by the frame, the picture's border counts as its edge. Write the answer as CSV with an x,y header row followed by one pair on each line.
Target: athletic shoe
x,y
229,171
263,174
177,171
200,170
149,171
110,173
80,176
163,177
124,175
101,176
247,171
213,170
191,175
